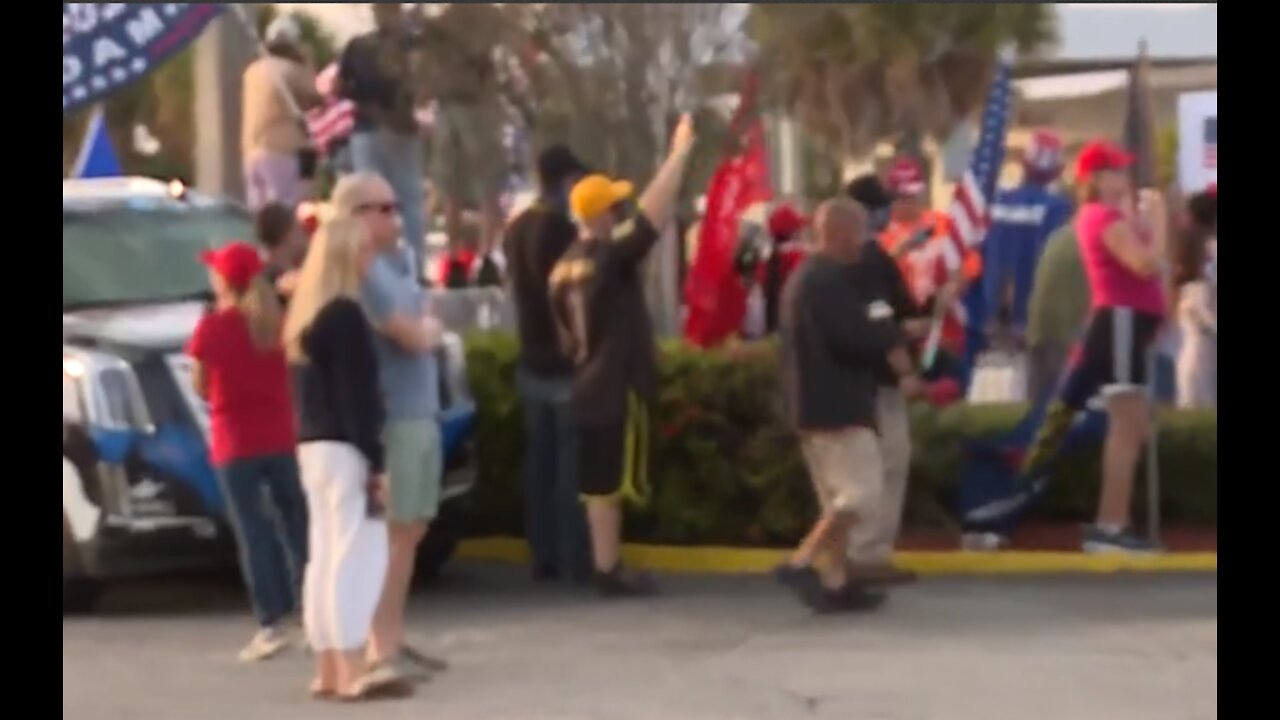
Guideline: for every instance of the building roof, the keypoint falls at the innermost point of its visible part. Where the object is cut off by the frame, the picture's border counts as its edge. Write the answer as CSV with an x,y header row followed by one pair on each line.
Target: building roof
x,y
1089,84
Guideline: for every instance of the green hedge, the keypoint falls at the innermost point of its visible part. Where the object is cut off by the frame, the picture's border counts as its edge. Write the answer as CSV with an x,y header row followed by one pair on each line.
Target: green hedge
x,y
726,470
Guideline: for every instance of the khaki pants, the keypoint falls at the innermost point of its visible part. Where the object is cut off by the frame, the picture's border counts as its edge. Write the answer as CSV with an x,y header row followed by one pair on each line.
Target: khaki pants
x,y
844,466
874,536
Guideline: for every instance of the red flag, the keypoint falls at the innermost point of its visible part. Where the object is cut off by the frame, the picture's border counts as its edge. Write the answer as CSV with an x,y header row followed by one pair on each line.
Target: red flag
x,y
716,298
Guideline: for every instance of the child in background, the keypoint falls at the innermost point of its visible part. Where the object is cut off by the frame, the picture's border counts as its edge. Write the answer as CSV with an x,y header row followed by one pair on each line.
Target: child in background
x,y
281,237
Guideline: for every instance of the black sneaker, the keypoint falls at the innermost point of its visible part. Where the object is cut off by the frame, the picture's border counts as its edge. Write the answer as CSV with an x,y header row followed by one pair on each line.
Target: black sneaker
x,y
620,582
853,597
1100,542
803,581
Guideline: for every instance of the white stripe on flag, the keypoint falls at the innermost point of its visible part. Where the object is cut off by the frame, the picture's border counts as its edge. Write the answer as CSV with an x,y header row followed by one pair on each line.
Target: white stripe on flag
x,y
951,255
974,195
964,221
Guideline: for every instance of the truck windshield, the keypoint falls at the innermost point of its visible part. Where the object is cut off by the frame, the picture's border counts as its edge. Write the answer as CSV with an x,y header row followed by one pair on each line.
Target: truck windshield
x,y
120,255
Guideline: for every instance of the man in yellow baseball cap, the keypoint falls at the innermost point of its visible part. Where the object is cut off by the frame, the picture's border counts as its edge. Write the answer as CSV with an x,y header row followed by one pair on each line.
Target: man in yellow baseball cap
x,y
603,325
595,195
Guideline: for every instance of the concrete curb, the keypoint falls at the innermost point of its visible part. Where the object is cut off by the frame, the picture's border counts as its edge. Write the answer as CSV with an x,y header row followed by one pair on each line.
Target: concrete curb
x,y
714,560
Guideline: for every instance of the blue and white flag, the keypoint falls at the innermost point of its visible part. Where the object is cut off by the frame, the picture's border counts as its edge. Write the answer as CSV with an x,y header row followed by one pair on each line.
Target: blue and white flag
x,y
106,46
97,157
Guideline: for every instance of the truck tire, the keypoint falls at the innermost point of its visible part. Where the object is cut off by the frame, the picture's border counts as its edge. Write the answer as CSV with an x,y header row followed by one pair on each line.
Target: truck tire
x,y
79,593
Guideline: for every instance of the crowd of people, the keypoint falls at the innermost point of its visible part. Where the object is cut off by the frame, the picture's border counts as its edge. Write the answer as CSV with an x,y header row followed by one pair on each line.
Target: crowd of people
x,y
366,113
1024,292
318,363
318,356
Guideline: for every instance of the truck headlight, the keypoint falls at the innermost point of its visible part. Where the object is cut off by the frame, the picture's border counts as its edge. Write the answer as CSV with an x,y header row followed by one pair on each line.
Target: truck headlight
x,y
102,390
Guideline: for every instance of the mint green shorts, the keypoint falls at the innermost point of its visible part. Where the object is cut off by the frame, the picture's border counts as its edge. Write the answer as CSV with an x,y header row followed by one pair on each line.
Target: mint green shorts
x,y
415,463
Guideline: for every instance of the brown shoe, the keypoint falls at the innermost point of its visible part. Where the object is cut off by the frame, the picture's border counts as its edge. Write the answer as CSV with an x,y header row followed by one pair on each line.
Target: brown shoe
x,y
880,574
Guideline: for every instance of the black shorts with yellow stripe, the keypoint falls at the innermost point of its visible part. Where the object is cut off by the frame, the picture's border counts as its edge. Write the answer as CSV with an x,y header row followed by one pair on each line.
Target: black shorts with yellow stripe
x,y
614,457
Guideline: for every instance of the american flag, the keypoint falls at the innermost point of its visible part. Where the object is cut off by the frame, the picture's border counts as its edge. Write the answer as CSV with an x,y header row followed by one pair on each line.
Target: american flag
x,y
335,119
1211,143
331,123
970,208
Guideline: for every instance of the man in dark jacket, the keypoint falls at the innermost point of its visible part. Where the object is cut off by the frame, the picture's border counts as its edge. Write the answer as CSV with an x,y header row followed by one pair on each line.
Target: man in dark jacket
x,y
535,241
834,342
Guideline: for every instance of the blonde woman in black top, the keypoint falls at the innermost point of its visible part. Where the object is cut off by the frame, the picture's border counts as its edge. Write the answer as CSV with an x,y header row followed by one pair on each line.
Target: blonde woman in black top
x,y
330,346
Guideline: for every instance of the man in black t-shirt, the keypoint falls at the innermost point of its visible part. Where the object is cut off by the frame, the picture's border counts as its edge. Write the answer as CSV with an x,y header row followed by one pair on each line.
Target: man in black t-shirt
x,y
603,323
535,240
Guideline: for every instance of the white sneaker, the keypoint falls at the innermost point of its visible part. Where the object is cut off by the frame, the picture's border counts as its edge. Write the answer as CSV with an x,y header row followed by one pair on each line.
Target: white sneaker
x,y
983,542
267,643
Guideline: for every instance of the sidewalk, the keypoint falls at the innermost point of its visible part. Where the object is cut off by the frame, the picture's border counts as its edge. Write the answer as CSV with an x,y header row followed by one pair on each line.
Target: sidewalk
x,y
1036,550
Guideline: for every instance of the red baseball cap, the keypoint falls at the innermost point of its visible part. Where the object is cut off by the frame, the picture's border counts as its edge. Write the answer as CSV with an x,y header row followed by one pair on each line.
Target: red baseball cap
x,y
1101,155
238,263
906,178
786,221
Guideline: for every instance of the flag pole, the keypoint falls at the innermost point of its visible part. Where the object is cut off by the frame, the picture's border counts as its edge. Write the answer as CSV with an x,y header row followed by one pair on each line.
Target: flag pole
x,y
96,118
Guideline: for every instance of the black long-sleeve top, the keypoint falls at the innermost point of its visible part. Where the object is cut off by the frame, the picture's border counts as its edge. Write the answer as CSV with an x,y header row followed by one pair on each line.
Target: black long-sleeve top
x,y
834,341
336,392
535,241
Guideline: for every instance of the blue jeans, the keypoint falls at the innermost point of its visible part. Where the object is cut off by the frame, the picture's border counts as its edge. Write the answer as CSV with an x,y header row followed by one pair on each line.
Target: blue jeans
x,y
555,522
268,515
398,159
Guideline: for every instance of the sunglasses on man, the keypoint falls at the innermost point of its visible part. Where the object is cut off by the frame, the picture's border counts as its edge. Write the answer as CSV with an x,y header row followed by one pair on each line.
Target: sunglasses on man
x,y
384,208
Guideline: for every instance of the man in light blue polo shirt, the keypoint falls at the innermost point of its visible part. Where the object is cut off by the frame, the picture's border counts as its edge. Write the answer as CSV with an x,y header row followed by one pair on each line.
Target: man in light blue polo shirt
x,y
405,341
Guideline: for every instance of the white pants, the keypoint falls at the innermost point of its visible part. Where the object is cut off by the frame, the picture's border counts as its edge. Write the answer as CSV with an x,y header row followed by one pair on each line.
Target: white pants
x,y
347,563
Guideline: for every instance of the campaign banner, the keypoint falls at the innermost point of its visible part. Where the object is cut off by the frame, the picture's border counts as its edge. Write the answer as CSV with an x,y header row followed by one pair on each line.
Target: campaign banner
x,y
106,46
1197,141
716,297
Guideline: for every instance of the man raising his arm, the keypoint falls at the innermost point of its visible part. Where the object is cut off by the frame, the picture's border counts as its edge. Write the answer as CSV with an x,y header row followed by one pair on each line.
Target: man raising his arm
x,y
604,326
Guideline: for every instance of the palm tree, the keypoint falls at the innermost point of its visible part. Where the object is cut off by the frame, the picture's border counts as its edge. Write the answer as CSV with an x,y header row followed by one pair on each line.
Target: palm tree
x,y
861,74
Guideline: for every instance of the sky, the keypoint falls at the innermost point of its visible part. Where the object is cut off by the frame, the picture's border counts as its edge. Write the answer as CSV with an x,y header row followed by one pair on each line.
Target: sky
x,y
1088,31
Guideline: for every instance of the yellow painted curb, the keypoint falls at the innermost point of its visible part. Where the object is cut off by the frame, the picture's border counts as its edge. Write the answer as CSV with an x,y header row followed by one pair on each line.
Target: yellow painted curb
x,y
717,560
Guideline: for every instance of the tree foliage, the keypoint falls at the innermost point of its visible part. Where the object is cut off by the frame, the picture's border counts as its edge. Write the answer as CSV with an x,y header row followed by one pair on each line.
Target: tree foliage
x,y
859,74
612,77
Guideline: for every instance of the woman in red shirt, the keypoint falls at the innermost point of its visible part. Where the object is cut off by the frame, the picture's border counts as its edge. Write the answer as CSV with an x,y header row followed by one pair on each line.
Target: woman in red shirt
x,y
240,370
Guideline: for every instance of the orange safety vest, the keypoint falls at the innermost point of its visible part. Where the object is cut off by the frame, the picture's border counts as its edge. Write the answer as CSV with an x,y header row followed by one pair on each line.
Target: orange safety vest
x,y
923,267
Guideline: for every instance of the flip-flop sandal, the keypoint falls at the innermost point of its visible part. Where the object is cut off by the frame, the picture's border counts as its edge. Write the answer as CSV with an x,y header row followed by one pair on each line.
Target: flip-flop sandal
x,y
424,661
386,670
391,690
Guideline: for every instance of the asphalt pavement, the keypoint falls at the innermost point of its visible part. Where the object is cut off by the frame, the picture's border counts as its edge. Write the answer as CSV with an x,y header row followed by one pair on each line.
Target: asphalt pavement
x,y
710,648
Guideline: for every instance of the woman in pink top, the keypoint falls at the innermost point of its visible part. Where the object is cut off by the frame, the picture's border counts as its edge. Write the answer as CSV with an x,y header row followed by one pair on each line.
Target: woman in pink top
x,y
1122,247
